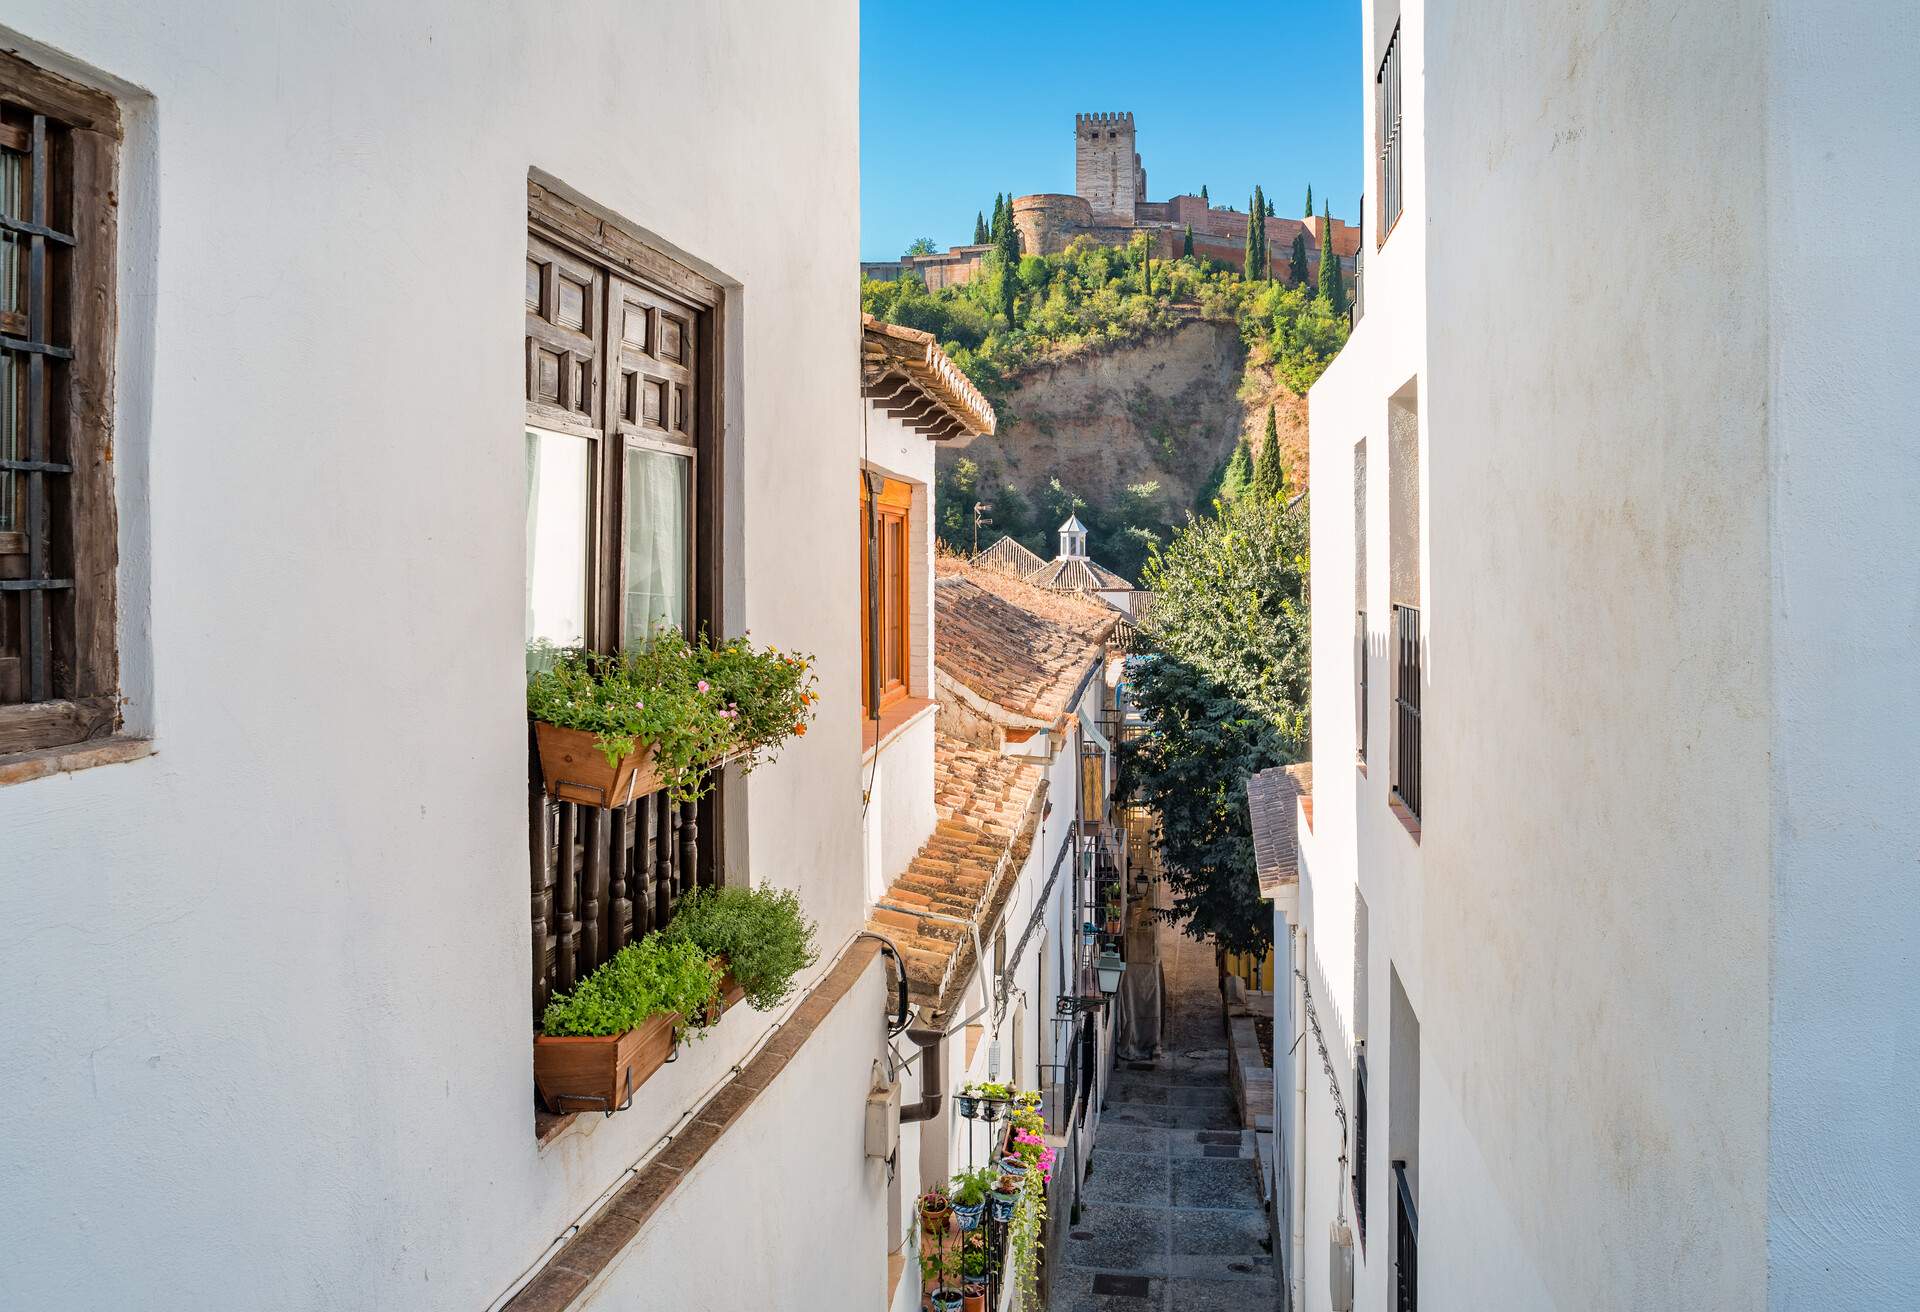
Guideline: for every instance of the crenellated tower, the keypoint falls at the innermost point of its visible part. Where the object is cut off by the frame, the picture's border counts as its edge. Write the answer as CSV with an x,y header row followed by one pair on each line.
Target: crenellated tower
x,y
1106,166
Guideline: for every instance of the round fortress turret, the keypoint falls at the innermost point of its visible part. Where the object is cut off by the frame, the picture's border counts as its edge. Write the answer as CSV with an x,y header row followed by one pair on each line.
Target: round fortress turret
x,y
1046,223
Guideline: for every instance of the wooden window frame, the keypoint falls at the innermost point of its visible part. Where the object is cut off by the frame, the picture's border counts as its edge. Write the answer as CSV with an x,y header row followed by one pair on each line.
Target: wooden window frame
x,y
893,506
637,860
61,568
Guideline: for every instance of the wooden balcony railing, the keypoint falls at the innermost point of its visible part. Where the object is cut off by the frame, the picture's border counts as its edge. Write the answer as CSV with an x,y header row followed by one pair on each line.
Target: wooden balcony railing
x,y
604,878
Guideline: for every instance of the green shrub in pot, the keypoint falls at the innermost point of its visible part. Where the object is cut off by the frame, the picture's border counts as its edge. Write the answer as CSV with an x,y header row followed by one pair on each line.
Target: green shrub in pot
x,y
765,937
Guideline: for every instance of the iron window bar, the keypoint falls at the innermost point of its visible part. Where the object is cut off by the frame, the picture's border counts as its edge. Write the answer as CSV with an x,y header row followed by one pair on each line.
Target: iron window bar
x,y
1406,1259
37,348
1387,99
1360,1142
1406,701
1360,636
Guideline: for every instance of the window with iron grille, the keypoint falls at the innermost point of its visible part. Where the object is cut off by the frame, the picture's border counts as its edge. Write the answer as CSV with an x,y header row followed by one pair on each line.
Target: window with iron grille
x,y
59,670
1360,656
1360,1143
1406,705
622,536
1386,99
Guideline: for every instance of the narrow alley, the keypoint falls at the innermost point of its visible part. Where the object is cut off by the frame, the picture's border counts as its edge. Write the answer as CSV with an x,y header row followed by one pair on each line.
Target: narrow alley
x,y
1172,1219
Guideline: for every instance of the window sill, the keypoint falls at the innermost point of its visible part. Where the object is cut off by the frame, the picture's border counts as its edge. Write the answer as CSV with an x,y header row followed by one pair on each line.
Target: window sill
x,y
20,767
1408,820
893,719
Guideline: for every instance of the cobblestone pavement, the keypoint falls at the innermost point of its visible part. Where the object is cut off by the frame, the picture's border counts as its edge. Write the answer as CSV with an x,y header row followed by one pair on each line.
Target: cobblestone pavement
x,y
1171,1218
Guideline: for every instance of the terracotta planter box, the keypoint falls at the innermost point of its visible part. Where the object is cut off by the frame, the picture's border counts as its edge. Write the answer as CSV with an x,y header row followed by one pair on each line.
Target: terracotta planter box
x,y
599,1073
730,996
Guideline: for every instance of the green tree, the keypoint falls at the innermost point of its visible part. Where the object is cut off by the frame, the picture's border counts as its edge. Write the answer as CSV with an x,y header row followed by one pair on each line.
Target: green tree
x,y
1186,244
1226,695
999,223
1269,474
1203,195
980,234
1239,474
1298,272
1256,253
1309,213
921,246
1330,281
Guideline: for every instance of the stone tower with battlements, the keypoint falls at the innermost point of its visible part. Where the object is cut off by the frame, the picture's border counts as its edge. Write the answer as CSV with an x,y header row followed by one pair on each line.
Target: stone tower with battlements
x,y
1106,168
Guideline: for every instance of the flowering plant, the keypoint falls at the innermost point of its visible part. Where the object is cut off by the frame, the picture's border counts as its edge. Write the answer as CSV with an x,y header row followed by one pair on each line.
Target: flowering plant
x,y
1033,1151
691,701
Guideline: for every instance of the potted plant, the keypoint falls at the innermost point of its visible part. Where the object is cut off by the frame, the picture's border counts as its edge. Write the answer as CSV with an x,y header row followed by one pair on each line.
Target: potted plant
x,y
601,1041
661,714
967,1101
936,1211
760,937
935,1271
970,1190
1006,1192
1087,930
993,1100
973,1276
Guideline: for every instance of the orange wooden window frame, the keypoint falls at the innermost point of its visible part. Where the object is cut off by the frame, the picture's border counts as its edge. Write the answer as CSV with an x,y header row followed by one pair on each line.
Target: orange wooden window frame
x,y
891,510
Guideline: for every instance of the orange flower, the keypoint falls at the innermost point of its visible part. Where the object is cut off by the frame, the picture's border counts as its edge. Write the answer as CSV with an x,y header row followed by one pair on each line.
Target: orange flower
x,y
800,729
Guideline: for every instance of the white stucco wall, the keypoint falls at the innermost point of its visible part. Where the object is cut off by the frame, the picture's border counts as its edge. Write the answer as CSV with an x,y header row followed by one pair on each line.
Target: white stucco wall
x,y
1657,929
267,991
1844,1160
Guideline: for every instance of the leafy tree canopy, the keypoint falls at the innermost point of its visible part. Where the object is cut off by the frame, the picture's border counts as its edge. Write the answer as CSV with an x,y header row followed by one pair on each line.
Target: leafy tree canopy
x,y
921,246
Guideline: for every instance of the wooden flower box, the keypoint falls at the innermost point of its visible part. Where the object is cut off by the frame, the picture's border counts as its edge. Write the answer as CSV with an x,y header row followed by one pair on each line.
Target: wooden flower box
x,y
576,770
578,1073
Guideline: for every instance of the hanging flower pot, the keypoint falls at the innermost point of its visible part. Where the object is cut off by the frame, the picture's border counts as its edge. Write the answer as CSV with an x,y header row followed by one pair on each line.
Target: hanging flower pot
x,y
968,1104
1005,1195
946,1300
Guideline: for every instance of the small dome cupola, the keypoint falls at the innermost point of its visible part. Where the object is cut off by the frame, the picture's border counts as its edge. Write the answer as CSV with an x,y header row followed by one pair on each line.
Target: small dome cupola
x,y
1073,539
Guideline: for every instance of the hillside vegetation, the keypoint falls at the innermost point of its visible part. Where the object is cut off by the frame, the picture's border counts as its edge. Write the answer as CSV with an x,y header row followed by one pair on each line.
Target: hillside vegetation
x,y
1019,327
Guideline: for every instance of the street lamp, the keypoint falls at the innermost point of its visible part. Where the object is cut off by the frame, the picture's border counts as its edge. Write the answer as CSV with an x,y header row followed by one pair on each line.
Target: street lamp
x,y
1110,967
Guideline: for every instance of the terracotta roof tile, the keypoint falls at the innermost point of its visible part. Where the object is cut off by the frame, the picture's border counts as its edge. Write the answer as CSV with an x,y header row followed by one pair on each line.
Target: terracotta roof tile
x,y
1020,647
987,812
1010,556
1077,574
1272,804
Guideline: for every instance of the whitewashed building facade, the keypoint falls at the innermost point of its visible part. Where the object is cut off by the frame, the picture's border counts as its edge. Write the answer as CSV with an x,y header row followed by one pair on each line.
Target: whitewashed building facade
x,y
295,469
1605,904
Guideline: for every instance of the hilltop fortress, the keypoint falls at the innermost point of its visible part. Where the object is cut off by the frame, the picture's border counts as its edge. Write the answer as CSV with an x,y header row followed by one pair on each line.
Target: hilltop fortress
x,y
1109,204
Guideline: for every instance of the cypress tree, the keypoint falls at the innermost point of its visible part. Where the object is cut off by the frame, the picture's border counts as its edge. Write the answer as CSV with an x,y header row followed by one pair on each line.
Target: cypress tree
x,y
1309,200
1297,271
1330,282
980,234
1203,195
1186,243
1239,475
1252,253
1007,245
999,218
1269,475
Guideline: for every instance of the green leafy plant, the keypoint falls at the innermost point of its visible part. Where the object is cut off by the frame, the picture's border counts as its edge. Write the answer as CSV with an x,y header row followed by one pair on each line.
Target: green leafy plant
x,y
973,1263
1023,1237
997,1092
970,1188
641,981
693,702
762,932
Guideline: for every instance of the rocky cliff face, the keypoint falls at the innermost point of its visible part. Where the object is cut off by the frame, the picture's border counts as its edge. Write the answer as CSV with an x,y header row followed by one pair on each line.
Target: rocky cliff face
x,y
1168,409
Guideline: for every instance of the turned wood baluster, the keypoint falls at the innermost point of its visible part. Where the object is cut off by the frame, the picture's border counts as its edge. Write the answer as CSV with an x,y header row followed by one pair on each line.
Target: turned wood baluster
x,y
689,845
541,877
643,858
566,891
664,860
592,879
618,880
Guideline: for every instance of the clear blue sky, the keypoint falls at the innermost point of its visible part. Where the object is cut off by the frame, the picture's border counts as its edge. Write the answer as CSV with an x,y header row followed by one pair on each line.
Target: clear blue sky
x,y
959,101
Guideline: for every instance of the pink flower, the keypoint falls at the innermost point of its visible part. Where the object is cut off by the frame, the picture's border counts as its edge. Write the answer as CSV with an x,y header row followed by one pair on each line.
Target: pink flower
x,y
703,685
639,706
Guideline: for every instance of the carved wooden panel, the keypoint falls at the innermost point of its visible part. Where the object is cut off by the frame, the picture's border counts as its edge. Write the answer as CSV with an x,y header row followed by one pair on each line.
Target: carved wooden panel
x,y
651,395
565,326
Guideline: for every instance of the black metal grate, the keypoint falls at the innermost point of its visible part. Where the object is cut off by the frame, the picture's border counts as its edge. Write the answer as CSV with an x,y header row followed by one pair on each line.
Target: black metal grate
x,y
27,500
1406,1244
1406,703
1387,108
1360,1144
